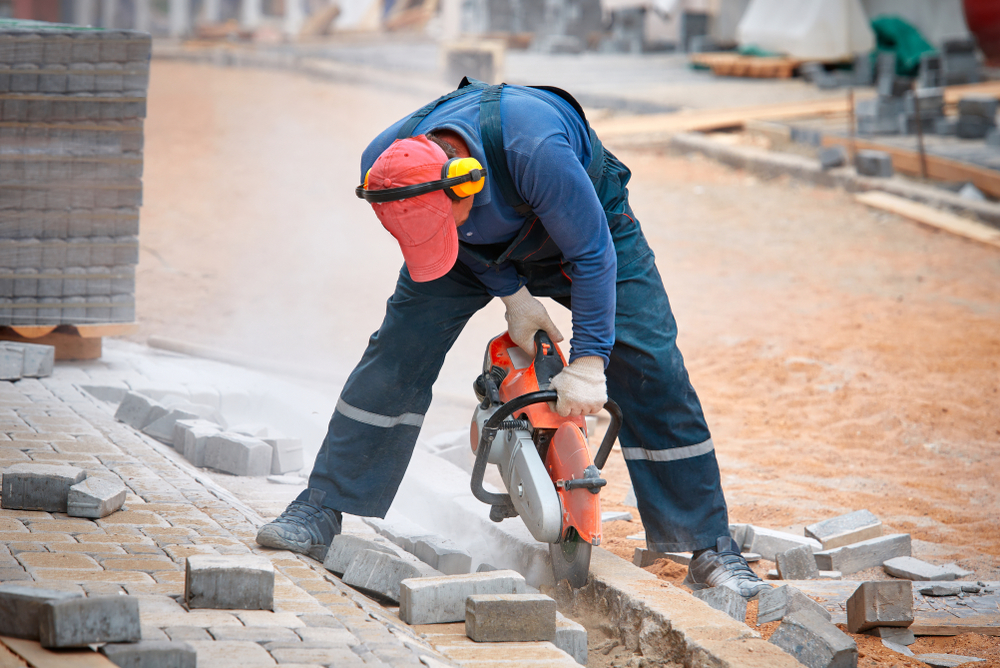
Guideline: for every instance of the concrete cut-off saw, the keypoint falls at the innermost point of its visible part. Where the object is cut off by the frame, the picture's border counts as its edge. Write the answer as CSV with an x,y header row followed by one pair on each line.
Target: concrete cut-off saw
x,y
542,456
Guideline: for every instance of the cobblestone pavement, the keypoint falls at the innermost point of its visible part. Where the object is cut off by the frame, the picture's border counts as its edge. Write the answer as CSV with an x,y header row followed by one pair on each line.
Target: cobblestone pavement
x,y
173,511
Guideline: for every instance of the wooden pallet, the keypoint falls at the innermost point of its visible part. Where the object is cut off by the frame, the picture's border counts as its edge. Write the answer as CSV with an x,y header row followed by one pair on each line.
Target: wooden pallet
x,y
72,342
759,67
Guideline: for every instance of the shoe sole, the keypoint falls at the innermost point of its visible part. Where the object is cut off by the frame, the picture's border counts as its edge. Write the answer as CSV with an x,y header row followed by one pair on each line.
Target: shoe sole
x,y
269,536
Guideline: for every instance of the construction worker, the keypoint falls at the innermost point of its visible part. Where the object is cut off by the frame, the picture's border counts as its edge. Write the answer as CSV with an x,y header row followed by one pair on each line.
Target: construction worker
x,y
542,210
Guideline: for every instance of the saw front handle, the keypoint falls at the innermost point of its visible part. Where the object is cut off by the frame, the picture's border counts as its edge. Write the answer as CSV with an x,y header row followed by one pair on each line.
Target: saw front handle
x,y
502,505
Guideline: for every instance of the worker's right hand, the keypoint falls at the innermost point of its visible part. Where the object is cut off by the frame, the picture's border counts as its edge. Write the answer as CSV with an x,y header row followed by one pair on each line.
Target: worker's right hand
x,y
580,387
525,316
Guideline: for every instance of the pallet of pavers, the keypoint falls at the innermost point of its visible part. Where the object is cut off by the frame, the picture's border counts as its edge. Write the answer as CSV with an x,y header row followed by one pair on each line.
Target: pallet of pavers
x,y
72,104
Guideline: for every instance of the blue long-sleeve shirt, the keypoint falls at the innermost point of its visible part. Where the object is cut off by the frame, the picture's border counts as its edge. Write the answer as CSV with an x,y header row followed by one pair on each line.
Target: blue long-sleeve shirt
x,y
548,150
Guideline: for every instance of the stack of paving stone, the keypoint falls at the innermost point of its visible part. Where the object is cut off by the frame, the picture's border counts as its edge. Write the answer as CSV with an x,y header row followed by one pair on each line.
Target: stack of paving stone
x,y
898,108
977,116
72,103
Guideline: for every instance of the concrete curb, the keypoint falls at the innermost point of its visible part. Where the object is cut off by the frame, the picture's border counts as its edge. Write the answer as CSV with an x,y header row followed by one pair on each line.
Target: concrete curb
x,y
769,164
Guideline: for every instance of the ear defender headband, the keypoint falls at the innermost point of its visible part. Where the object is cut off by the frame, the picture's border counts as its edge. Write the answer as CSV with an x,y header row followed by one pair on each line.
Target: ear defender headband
x,y
460,178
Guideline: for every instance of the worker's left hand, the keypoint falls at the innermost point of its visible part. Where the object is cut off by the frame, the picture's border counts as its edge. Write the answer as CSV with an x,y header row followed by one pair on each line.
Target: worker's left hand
x,y
581,387
525,316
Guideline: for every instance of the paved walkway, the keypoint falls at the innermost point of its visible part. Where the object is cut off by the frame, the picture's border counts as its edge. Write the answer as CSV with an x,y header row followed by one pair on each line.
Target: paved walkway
x,y
173,511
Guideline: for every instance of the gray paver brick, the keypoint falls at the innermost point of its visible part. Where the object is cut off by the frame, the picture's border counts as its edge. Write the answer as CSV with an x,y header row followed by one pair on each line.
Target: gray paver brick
x,y
151,654
885,603
162,429
345,546
229,582
33,486
910,568
195,434
510,618
724,599
11,363
940,660
137,410
21,606
774,604
82,621
815,642
95,497
382,573
866,554
238,454
38,359
797,563
287,455
571,638
768,543
873,163
845,529
442,599
443,555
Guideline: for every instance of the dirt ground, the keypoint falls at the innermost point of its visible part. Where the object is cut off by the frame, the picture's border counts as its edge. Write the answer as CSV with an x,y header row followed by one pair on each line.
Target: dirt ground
x,y
845,358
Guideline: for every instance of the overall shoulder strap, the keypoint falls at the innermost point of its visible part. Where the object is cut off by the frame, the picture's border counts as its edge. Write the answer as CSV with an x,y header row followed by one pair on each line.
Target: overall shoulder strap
x,y
467,86
492,134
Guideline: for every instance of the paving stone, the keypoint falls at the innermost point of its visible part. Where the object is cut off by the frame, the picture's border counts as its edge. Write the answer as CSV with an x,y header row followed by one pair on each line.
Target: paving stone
x,y
443,555
866,554
885,603
64,560
238,454
777,603
137,410
978,105
317,655
832,156
815,641
845,529
896,634
873,163
380,573
231,654
571,638
151,654
33,486
333,636
95,497
258,634
187,633
400,531
287,455
510,618
345,546
768,543
38,359
911,568
20,608
79,622
442,599
797,563
937,660
229,582
942,590
11,363
162,428
724,599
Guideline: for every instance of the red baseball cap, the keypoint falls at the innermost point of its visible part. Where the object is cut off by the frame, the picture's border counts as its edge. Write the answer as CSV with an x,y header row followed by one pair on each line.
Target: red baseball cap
x,y
424,225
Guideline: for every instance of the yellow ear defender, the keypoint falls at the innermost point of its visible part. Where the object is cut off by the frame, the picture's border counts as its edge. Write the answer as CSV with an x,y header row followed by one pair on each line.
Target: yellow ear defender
x,y
460,178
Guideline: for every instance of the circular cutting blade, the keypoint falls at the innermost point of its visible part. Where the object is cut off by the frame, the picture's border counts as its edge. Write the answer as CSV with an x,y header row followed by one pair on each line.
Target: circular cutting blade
x,y
571,560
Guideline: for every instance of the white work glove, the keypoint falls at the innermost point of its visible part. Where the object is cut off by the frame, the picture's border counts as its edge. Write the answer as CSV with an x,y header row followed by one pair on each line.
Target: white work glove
x,y
581,387
525,316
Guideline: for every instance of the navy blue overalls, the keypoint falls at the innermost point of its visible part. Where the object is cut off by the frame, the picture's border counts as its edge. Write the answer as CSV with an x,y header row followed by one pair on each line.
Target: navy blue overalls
x,y
665,440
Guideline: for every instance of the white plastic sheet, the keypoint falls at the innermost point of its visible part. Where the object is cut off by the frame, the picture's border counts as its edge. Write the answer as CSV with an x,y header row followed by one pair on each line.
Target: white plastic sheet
x,y
808,29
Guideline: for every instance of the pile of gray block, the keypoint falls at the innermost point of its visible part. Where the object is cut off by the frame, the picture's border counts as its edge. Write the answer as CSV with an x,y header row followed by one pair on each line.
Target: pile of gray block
x,y
73,102
198,432
60,488
977,116
25,360
65,620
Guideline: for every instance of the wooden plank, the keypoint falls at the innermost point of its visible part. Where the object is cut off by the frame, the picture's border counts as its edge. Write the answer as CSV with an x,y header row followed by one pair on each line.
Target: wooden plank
x,y
931,217
68,345
39,657
952,94
10,660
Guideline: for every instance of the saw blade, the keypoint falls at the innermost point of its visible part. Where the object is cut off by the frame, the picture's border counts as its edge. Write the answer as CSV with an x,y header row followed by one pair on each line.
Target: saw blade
x,y
571,561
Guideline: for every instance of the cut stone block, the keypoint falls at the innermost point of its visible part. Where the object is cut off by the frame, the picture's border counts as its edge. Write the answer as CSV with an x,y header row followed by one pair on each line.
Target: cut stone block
x,y
238,454
571,638
815,641
797,563
345,546
779,602
441,600
896,647
885,603
946,660
11,363
973,127
866,554
162,429
38,361
135,410
873,163
32,486
287,455
21,608
95,498
739,532
380,573
443,555
942,590
230,582
400,531
910,568
151,654
978,105
896,634
190,437
510,618
832,156
845,529
769,543
726,600
78,622
957,570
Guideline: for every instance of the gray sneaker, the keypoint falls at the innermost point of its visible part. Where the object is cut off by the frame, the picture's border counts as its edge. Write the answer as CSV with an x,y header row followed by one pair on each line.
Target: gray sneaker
x,y
724,566
305,527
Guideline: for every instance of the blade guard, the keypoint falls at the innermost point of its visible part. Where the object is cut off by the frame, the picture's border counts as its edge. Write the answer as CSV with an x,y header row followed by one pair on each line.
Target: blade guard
x,y
568,459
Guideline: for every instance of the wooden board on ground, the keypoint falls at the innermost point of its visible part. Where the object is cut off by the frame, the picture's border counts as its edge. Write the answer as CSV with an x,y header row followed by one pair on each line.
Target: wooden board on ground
x,y
72,342
932,615
736,65
39,657
927,215
10,660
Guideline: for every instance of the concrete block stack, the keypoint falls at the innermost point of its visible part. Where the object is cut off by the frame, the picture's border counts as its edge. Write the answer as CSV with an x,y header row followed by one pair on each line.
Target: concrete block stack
x,y
977,116
73,102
